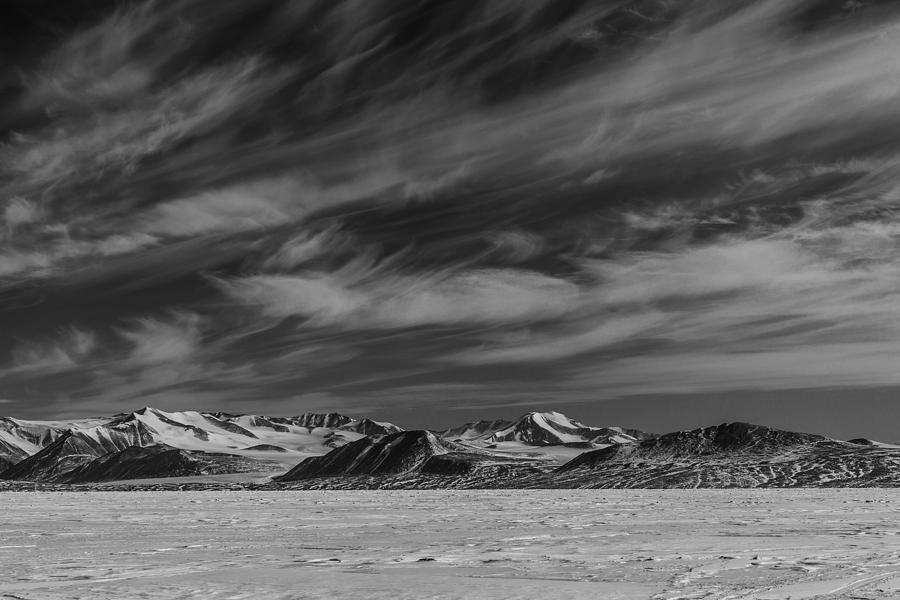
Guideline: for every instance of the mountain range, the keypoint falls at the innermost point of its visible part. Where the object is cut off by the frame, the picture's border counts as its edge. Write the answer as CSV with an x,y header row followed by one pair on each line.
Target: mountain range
x,y
220,442
330,450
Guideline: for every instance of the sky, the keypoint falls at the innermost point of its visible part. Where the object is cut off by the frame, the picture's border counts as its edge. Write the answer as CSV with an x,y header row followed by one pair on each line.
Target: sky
x,y
643,213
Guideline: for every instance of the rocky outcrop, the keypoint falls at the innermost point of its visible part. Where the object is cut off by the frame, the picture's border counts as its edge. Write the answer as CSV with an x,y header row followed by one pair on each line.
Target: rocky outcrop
x,y
391,454
73,449
135,462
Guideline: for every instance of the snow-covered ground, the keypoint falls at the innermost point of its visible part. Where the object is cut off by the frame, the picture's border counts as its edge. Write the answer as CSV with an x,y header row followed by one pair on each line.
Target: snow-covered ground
x,y
623,544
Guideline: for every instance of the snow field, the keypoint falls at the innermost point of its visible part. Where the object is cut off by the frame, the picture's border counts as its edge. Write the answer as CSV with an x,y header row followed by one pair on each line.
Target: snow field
x,y
622,544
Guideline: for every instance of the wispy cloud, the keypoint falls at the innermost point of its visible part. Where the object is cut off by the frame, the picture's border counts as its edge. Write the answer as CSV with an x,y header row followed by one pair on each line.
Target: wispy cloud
x,y
822,365
393,300
59,251
760,314
560,345
156,341
68,351
695,197
19,211
120,140
238,208
96,65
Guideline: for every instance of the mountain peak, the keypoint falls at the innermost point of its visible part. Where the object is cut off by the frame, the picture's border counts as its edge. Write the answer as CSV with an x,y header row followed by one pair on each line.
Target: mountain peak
x,y
542,428
737,435
476,429
390,454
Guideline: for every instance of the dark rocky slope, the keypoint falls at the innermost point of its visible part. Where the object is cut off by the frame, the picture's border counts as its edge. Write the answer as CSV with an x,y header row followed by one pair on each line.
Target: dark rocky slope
x,y
733,455
73,449
135,462
395,453
407,454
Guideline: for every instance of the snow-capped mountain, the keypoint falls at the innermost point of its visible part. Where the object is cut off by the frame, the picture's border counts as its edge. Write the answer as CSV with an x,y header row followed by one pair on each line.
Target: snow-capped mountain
x,y
721,456
20,439
74,448
543,429
45,451
306,434
329,450
310,421
216,442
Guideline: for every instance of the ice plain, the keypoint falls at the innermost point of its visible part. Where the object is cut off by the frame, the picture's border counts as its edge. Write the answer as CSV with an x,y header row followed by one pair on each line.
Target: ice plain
x,y
610,544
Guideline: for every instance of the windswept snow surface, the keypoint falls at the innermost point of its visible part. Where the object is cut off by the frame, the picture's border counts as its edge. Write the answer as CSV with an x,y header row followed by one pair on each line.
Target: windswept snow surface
x,y
573,544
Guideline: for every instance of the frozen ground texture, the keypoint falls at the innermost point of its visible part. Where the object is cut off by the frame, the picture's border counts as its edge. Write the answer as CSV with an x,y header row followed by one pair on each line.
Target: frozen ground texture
x,y
609,544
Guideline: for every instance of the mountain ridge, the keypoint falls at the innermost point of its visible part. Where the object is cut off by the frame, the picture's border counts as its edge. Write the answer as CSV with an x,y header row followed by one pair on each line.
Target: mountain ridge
x,y
135,462
541,428
44,451
334,451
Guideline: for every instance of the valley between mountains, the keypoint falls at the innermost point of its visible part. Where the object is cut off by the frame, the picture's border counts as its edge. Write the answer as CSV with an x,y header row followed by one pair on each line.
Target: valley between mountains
x,y
153,449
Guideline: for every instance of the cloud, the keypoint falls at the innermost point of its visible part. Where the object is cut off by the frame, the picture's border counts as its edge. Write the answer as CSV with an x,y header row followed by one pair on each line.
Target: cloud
x,y
122,244
709,198
20,211
238,208
705,83
516,246
729,265
556,346
426,189
60,253
12,263
305,247
476,297
155,341
265,203
844,365
79,149
96,65
784,312
68,351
